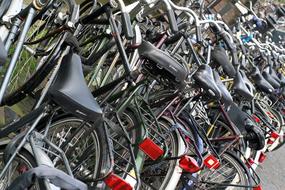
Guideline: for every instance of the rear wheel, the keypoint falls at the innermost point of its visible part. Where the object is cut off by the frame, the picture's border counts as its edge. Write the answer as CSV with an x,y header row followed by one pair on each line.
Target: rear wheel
x,y
22,163
124,166
85,145
165,173
221,130
230,174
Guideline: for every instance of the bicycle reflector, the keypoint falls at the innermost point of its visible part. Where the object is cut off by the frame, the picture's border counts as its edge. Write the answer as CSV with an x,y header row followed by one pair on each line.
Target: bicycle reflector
x,y
189,164
211,162
270,115
114,182
257,187
249,162
273,136
151,149
256,119
262,157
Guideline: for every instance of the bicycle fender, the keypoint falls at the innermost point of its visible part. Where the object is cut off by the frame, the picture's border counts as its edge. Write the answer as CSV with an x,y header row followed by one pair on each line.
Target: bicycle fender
x,y
12,146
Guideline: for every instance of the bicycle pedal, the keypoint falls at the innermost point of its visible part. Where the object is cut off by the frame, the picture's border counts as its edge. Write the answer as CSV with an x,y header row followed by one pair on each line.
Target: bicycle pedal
x,y
189,164
151,149
115,182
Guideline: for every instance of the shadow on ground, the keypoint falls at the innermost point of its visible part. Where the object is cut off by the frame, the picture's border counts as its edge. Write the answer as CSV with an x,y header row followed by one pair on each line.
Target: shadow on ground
x,y
272,171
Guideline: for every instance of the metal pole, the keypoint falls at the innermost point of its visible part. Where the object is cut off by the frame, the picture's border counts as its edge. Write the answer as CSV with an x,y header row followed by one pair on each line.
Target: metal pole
x,y
17,52
12,33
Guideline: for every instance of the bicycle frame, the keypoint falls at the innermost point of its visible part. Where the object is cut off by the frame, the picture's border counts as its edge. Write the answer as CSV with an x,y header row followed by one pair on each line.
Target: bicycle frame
x,y
33,139
29,13
14,9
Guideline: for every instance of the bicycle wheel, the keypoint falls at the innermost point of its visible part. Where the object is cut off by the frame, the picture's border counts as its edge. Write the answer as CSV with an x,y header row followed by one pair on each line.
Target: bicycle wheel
x,y
279,126
124,165
164,174
230,173
85,145
22,163
222,130
35,58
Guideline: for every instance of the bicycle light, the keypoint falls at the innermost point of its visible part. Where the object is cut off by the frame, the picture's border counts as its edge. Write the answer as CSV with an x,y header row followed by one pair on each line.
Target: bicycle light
x,y
256,119
258,187
151,149
114,182
189,164
211,162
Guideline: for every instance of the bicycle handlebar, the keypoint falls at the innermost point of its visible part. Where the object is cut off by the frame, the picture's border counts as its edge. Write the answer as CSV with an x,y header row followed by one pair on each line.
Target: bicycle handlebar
x,y
126,20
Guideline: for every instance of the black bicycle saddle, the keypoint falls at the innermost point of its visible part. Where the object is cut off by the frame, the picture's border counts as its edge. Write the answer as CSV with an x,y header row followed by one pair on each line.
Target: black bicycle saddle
x,y
220,58
247,82
260,82
204,78
274,75
226,95
70,91
282,79
163,62
240,87
270,79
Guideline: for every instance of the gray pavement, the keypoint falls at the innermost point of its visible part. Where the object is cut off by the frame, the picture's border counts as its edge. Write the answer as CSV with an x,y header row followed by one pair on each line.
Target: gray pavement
x,y
272,171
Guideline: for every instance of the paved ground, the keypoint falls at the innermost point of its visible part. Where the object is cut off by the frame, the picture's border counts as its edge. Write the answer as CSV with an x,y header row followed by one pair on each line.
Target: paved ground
x,y
272,171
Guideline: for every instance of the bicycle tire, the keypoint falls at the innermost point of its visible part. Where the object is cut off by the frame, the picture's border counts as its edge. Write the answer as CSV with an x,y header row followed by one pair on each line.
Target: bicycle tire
x,y
26,161
100,160
173,170
240,168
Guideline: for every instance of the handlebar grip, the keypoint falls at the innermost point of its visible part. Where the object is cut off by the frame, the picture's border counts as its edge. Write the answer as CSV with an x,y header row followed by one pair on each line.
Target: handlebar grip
x,y
172,20
127,26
